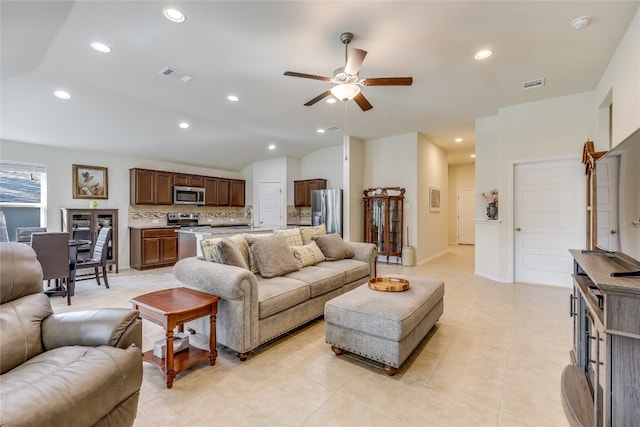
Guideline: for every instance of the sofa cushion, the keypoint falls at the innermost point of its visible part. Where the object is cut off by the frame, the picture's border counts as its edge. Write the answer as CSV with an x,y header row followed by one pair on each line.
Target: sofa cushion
x,y
320,280
229,253
209,251
273,256
308,233
352,268
333,247
307,254
58,387
280,293
293,236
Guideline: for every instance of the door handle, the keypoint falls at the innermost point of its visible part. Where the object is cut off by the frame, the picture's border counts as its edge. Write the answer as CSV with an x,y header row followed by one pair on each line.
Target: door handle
x,y
614,231
518,228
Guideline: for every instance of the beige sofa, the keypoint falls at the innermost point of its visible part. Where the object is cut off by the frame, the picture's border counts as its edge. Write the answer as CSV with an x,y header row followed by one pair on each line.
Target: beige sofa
x,y
71,369
254,310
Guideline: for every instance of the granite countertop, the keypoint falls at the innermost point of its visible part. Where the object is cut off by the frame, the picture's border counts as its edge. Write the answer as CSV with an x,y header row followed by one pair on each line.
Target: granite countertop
x,y
152,226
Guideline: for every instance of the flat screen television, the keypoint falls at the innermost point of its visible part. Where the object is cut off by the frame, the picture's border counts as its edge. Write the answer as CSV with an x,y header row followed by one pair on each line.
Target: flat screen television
x,y
617,201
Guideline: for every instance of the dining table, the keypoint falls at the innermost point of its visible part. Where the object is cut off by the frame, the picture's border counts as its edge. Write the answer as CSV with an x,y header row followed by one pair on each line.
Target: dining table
x,y
69,290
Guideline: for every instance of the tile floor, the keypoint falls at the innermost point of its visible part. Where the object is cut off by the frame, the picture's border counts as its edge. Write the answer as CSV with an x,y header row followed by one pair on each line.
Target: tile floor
x,y
494,359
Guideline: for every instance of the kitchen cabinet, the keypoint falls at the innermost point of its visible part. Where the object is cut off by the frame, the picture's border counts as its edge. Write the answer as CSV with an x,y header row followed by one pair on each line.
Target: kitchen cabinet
x,y
236,190
216,191
153,247
149,187
383,212
188,180
85,224
302,190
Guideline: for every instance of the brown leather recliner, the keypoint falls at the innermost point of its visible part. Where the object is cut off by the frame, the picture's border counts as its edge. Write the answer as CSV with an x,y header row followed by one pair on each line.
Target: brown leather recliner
x,y
80,368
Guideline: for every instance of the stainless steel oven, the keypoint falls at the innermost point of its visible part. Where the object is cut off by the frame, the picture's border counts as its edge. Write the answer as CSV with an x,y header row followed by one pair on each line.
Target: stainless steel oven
x,y
188,195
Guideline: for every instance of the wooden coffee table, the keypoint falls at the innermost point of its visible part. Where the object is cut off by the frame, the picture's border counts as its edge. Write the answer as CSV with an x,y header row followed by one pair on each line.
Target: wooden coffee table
x,y
171,308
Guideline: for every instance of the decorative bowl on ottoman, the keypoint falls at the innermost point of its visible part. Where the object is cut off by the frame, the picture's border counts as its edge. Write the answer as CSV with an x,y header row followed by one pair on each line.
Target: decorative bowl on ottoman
x,y
384,326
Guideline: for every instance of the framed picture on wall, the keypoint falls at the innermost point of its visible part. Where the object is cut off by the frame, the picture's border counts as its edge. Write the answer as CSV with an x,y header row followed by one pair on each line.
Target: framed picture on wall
x,y
434,199
90,182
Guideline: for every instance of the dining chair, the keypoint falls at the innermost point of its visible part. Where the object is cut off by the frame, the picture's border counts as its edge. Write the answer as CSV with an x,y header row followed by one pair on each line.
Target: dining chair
x,y
98,258
52,250
23,234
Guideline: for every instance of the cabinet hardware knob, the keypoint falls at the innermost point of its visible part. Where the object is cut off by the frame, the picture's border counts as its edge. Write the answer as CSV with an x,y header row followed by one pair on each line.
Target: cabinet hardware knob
x,y
518,228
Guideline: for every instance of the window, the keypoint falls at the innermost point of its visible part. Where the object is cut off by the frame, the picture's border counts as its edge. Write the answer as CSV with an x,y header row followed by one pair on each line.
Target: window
x,y
23,195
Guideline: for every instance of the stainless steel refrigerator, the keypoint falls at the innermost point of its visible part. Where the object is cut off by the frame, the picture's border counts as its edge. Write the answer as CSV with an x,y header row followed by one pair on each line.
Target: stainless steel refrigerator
x,y
326,208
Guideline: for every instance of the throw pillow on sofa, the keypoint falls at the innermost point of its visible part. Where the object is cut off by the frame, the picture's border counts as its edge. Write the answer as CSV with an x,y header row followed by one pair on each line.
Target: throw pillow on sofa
x,y
253,265
230,254
272,254
209,251
293,236
333,247
308,233
307,254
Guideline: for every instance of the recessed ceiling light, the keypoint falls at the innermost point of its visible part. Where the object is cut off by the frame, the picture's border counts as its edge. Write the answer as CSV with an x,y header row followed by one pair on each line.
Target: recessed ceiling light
x,y
331,101
183,125
272,146
473,156
580,22
458,139
233,98
483,54
62,94
100,47
174,15
320,131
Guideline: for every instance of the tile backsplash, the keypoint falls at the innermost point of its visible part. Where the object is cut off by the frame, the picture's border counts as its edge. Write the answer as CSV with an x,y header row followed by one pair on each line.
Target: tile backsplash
x,y
148,215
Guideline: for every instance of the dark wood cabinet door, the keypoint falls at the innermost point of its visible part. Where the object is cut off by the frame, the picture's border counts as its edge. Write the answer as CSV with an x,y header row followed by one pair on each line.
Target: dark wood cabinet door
x,y
142,187
237,193
210,191
315,184
222,198
188,180
180,179
163,188
169,250
196,181
151,251
299,192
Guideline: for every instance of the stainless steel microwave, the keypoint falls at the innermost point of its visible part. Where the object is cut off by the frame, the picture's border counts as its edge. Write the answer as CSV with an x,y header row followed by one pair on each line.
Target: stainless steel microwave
x,y
188,195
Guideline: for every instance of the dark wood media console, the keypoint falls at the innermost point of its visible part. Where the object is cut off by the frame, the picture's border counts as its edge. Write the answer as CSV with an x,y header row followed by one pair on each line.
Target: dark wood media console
x,y
602,385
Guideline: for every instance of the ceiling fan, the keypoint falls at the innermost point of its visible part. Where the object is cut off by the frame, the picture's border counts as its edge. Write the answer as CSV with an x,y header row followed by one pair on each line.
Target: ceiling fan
x,y
347,80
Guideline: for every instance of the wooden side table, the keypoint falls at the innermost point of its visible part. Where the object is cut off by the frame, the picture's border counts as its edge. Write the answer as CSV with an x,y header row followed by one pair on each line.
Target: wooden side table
x,y
173,307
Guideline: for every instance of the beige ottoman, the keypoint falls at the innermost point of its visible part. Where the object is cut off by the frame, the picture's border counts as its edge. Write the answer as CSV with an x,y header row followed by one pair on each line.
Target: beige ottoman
x,y
384,326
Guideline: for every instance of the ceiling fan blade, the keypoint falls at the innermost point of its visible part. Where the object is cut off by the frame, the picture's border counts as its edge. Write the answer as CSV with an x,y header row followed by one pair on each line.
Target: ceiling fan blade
x,y
362,102
306,76
318,98
388,81
355,61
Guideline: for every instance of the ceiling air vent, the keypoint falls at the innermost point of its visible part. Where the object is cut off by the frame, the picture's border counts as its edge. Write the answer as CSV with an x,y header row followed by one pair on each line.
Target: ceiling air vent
x,y
176,74
334,129
532,84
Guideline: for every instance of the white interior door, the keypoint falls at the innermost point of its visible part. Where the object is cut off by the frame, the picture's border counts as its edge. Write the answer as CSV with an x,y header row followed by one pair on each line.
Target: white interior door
x,y
270,204
549,219
466,217
607,218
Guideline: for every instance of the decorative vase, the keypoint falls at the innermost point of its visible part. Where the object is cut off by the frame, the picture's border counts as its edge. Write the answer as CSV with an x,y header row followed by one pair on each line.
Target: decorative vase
x,y
492,211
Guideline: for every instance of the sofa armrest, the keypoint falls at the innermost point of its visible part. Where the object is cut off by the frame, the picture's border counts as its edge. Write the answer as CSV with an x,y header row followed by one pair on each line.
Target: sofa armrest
x,y
117,327
366,252
237,321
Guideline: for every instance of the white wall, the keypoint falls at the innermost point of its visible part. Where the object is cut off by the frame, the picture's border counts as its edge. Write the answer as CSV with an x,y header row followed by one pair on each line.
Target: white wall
x,y
431,239
293,174
622,79
324,163
59,181
461,177
353,185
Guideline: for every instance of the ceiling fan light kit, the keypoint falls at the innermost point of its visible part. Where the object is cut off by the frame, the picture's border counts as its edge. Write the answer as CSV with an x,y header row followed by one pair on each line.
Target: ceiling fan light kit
x,y
347,80
345,91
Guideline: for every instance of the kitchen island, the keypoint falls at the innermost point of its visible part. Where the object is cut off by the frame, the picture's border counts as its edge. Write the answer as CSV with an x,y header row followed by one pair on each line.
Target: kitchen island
x,y
189,237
